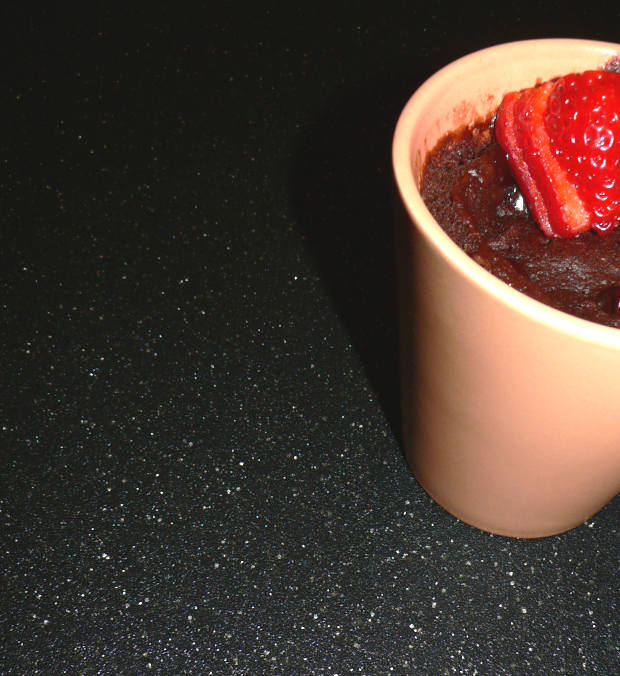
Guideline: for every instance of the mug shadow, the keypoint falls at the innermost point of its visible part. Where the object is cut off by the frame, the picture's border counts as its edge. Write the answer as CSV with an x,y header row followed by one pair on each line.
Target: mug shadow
x,y
343,196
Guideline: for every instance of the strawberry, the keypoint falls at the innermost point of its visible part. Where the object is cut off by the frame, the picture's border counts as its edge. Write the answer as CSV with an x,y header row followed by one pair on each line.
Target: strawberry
x,y
562,140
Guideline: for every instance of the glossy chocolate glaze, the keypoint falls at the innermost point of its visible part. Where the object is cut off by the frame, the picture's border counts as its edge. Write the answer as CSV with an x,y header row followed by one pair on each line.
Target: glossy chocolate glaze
x,y
468,187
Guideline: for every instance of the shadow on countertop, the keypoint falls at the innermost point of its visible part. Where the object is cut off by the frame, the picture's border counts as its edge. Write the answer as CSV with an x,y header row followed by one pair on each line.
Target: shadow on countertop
x,y
343,194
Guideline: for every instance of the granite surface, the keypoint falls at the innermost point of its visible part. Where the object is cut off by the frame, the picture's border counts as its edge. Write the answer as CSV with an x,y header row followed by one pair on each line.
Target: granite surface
x,y
199,459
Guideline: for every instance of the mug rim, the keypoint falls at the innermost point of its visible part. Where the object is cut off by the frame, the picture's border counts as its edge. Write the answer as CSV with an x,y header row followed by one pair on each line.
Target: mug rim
x,y
402,164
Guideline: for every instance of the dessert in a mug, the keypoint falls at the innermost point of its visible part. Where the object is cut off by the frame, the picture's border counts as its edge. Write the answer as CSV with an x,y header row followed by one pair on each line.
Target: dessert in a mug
x,y
532,193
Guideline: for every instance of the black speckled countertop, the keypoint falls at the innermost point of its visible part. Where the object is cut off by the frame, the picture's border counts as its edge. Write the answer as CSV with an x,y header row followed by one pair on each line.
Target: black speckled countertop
x,y
200,466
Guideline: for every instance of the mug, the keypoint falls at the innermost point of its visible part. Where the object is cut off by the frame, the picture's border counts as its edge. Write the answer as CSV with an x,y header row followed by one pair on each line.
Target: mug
x,y
511,408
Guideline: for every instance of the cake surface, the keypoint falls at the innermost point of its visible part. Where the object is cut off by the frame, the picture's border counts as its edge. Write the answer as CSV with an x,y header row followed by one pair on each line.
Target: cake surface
x,y
468,187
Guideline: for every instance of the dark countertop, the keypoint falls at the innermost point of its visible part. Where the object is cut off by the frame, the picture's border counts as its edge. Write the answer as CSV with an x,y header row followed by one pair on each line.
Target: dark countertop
x,y
200,466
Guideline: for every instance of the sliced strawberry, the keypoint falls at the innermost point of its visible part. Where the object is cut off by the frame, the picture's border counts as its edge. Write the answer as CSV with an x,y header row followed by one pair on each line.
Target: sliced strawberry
x,y
562,139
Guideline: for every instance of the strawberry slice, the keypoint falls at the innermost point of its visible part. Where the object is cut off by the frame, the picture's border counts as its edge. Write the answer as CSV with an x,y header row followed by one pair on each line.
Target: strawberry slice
x,y
562,139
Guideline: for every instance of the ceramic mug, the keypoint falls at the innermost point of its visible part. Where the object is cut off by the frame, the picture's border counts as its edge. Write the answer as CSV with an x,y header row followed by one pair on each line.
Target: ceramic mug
x,y
511,409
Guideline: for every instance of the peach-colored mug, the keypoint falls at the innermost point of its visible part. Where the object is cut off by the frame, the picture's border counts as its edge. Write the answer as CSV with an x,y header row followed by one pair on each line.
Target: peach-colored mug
x,y
511,409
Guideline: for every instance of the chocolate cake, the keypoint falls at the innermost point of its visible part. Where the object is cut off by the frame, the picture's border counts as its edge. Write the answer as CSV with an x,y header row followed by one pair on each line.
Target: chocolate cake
x,y
468,187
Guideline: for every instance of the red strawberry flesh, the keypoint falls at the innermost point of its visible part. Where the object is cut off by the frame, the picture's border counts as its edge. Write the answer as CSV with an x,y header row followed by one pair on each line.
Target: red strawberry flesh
x,y
562,140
